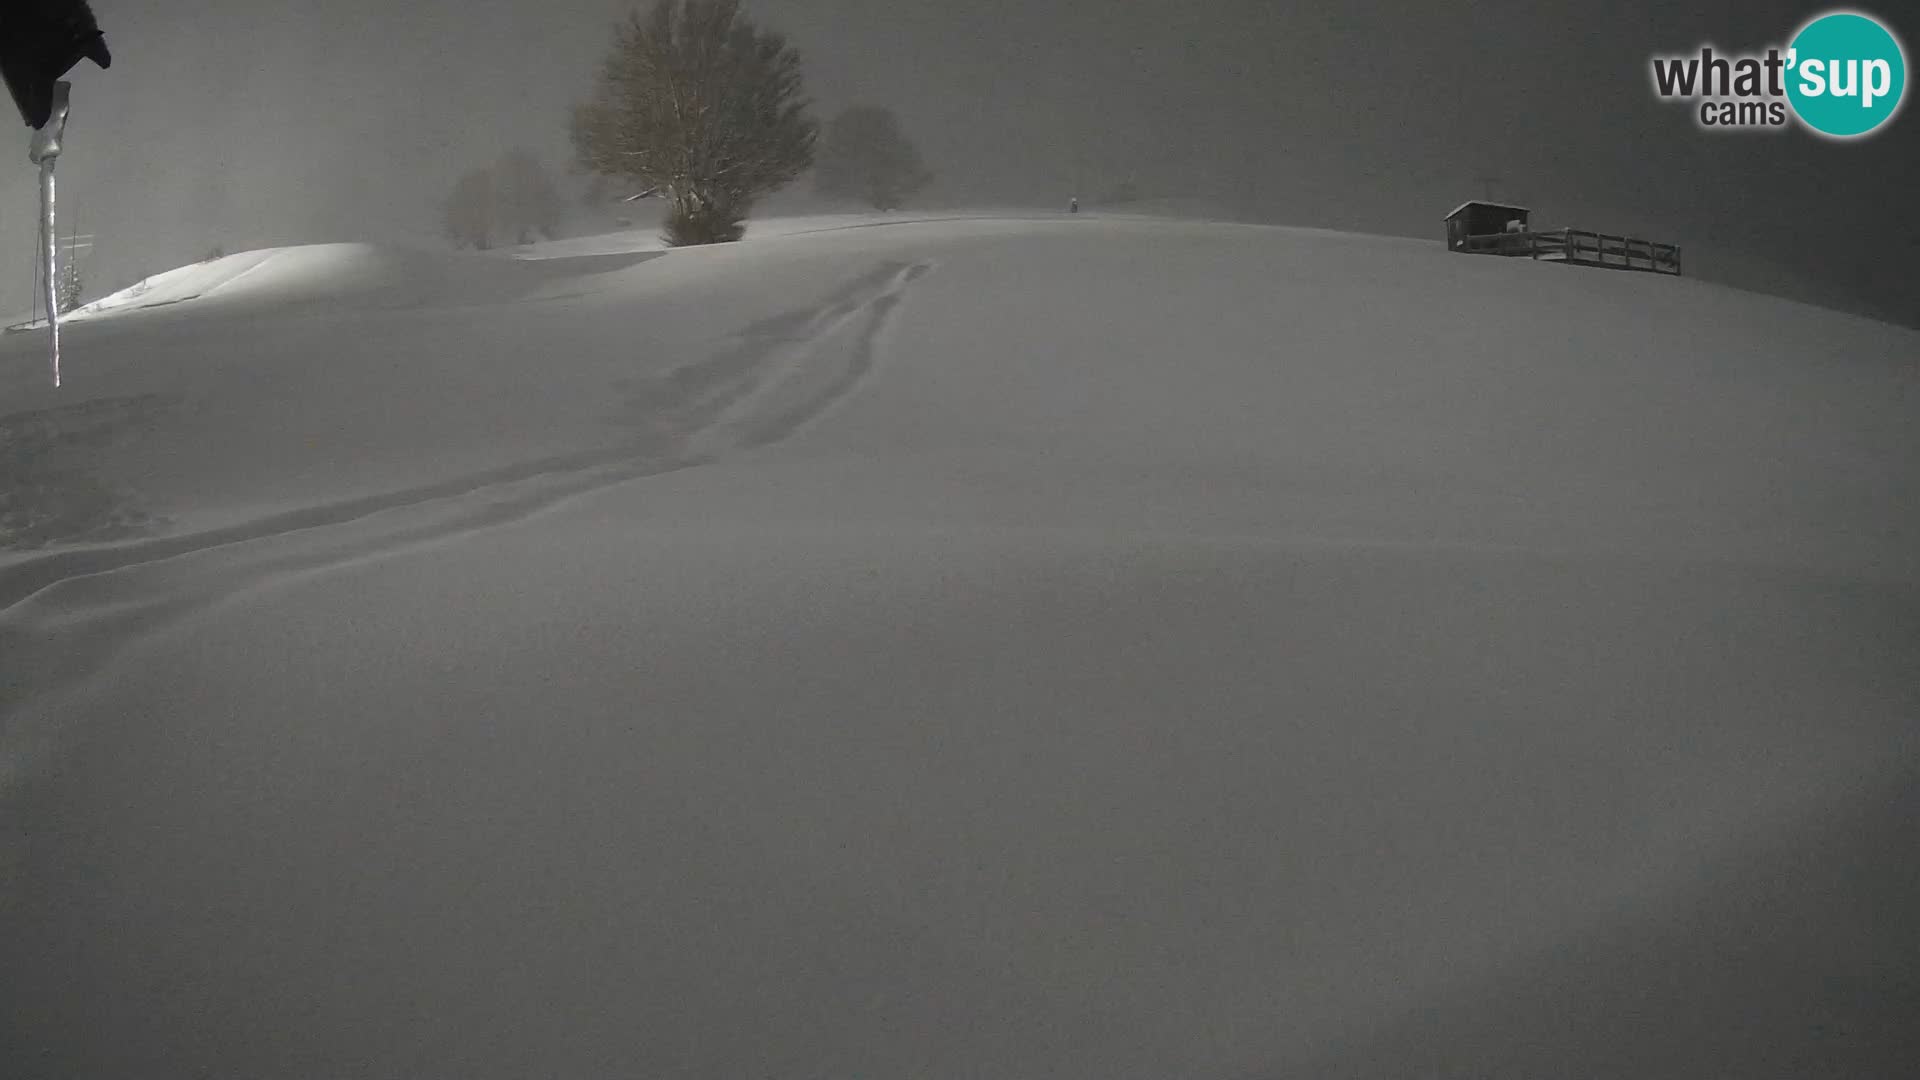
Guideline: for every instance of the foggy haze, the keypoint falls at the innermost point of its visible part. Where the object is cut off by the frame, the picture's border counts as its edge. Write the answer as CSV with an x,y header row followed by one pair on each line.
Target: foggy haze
x,y
249,123
1030,632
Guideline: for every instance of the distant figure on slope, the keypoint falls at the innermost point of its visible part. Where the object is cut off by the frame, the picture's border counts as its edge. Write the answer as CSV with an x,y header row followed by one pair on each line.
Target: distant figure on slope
x,y
1073,205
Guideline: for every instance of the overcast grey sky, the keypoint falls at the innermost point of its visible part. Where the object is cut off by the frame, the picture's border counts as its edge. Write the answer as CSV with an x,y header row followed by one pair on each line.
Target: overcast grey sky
x,y
254,122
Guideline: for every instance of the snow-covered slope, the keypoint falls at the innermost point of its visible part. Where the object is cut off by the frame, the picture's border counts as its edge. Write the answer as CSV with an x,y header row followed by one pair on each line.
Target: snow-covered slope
x,y
976,647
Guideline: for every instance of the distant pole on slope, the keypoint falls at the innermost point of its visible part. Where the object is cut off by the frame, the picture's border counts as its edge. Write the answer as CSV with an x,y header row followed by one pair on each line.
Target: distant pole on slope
x,y
33,305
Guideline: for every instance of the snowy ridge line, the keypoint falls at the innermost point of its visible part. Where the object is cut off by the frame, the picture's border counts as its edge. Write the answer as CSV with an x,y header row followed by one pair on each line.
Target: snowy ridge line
x,y
280,282
927,219
133,298
208,289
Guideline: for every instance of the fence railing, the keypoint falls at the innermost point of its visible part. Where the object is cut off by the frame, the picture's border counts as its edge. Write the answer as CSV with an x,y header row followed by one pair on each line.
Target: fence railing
x,y
1581,247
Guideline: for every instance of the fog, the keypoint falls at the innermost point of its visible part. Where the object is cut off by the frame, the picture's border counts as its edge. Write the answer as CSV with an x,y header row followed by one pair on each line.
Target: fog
x,y
983,639
248,123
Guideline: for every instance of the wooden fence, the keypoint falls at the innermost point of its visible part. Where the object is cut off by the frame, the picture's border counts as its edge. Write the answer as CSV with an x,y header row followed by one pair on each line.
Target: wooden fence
x,y
1581,248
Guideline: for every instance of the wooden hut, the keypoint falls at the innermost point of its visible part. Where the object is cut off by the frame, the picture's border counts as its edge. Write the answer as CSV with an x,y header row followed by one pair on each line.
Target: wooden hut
x,y
1490,228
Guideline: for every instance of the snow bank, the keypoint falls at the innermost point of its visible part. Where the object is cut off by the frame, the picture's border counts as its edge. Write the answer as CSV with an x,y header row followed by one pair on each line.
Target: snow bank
x,y
343,276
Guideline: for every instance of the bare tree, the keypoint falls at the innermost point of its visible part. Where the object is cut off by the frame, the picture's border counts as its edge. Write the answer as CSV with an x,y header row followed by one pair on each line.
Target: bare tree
x,y
866,156
469,211
526,202
695,101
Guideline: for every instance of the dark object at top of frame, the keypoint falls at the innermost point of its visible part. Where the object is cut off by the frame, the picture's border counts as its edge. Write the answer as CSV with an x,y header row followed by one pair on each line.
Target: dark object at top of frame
x,y
40,41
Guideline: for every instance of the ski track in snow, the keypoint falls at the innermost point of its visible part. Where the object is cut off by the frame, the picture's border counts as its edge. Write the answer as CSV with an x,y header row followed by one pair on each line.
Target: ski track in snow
x,y
65,615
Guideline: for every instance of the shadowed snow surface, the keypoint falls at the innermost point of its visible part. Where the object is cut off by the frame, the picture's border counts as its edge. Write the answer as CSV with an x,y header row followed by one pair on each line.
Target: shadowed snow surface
x,y
964,648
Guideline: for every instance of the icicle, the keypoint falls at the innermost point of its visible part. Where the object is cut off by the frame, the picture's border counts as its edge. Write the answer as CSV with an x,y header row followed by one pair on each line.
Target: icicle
x,y
46,149
51,236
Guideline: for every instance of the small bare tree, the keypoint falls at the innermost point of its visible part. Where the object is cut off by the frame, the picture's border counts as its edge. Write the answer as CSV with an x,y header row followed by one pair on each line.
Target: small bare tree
x,y
469,211
866,156
526,202
695,101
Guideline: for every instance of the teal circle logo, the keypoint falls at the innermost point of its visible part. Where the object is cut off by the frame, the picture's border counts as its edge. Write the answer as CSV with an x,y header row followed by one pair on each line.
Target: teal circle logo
x,y
1848,75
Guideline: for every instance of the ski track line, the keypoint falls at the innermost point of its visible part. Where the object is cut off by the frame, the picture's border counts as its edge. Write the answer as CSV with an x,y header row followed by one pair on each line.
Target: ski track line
x,y
760,417
66,615
29,577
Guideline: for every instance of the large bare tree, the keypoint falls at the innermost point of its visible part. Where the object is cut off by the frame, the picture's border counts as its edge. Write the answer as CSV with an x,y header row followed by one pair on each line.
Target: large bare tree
x,y
696,103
